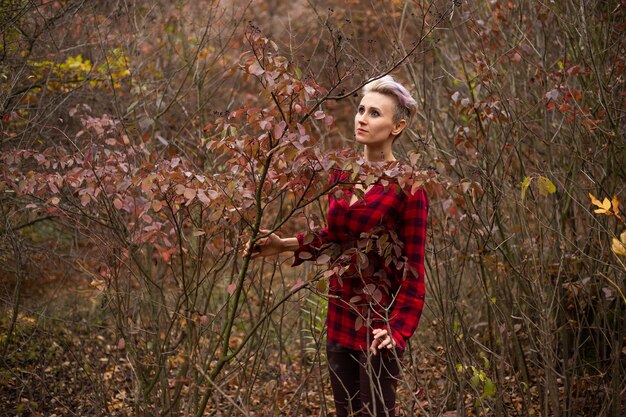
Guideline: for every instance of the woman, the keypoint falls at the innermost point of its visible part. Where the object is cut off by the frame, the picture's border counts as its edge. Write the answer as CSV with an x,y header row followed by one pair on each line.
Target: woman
x,y
374,305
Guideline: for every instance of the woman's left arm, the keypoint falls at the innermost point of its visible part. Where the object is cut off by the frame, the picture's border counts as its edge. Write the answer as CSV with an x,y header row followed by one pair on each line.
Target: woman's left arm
x,y
409,300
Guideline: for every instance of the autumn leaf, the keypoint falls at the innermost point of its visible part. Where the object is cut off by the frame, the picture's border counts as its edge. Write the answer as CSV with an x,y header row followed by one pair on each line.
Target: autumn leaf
x,y
157,205
619,246
98,284
604,206
545,186
525,185
85,199
615,205
190,193
358,323
203,198
299,284
255,69
322,259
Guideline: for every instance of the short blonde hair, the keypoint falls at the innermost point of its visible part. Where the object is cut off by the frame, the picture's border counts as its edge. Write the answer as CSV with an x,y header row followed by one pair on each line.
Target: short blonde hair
x,y
406,106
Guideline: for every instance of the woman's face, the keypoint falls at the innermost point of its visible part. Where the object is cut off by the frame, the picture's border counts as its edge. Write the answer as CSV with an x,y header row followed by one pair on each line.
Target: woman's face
x,y
373,122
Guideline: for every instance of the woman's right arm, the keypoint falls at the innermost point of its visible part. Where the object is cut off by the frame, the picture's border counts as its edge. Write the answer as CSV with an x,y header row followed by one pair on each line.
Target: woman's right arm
x,y
274,244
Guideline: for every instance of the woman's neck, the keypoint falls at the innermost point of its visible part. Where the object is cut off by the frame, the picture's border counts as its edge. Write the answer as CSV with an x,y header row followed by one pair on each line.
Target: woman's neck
x,y
378,154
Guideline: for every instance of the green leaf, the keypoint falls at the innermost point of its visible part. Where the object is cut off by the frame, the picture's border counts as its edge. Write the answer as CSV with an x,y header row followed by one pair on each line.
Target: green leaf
x,y
489,389
525,185
545,186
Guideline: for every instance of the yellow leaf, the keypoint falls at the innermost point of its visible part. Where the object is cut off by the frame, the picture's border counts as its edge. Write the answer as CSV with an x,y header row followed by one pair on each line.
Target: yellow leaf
x,y
619,247
615,204
545,186
525,185
605,207
594,200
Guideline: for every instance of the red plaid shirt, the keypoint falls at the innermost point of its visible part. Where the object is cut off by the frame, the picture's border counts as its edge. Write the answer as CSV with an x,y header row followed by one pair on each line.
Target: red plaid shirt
x,y
372,294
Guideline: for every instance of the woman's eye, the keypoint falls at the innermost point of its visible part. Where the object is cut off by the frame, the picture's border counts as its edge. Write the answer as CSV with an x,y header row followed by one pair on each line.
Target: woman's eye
x,y
361,110
375,113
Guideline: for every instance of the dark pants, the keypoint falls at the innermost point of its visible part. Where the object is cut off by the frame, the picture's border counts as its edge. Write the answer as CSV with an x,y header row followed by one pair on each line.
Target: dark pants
x,y
364,384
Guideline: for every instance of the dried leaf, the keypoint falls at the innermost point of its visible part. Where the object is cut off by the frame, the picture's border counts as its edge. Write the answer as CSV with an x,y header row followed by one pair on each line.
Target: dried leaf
x,y
157,205
322,259
619,246
299,284
358,323
355,299
604,206
190,193
255,69
615,205
594,200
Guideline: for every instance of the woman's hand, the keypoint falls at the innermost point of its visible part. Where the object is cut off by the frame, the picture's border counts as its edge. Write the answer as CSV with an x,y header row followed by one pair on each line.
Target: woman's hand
x,y
267,246
382,340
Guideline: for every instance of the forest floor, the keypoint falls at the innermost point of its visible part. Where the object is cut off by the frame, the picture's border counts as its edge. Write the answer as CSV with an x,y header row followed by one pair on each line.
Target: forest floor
x,y
64,359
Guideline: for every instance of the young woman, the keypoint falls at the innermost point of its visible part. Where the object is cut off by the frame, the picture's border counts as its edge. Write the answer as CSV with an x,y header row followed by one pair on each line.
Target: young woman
x,y
375,305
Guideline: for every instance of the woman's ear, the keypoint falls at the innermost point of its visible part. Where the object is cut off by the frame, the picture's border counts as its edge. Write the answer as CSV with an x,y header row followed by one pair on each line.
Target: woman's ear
x,y
398,127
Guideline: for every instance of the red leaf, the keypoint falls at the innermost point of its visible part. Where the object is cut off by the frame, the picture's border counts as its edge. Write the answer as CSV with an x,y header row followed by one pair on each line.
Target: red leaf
x,y
279,129
255,69
190,193
299,284
358,323
322,259
203,198
355,299
157,206
231,288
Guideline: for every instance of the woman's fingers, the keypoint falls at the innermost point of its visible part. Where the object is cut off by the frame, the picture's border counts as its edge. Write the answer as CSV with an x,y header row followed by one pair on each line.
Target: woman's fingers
x,y
265,246
382,340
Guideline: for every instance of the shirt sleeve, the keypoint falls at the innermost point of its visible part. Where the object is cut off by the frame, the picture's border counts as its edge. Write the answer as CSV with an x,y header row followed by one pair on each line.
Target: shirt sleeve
x,y
311,250
409,300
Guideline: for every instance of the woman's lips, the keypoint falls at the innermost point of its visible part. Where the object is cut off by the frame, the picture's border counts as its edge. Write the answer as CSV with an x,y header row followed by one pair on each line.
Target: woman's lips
x,y
361,131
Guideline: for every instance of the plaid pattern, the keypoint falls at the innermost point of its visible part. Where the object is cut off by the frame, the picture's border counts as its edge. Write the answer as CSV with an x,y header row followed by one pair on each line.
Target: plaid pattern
x,y
371,294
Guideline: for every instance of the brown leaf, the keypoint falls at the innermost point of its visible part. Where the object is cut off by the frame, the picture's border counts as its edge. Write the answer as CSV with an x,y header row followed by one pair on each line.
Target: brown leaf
x,y
157,205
